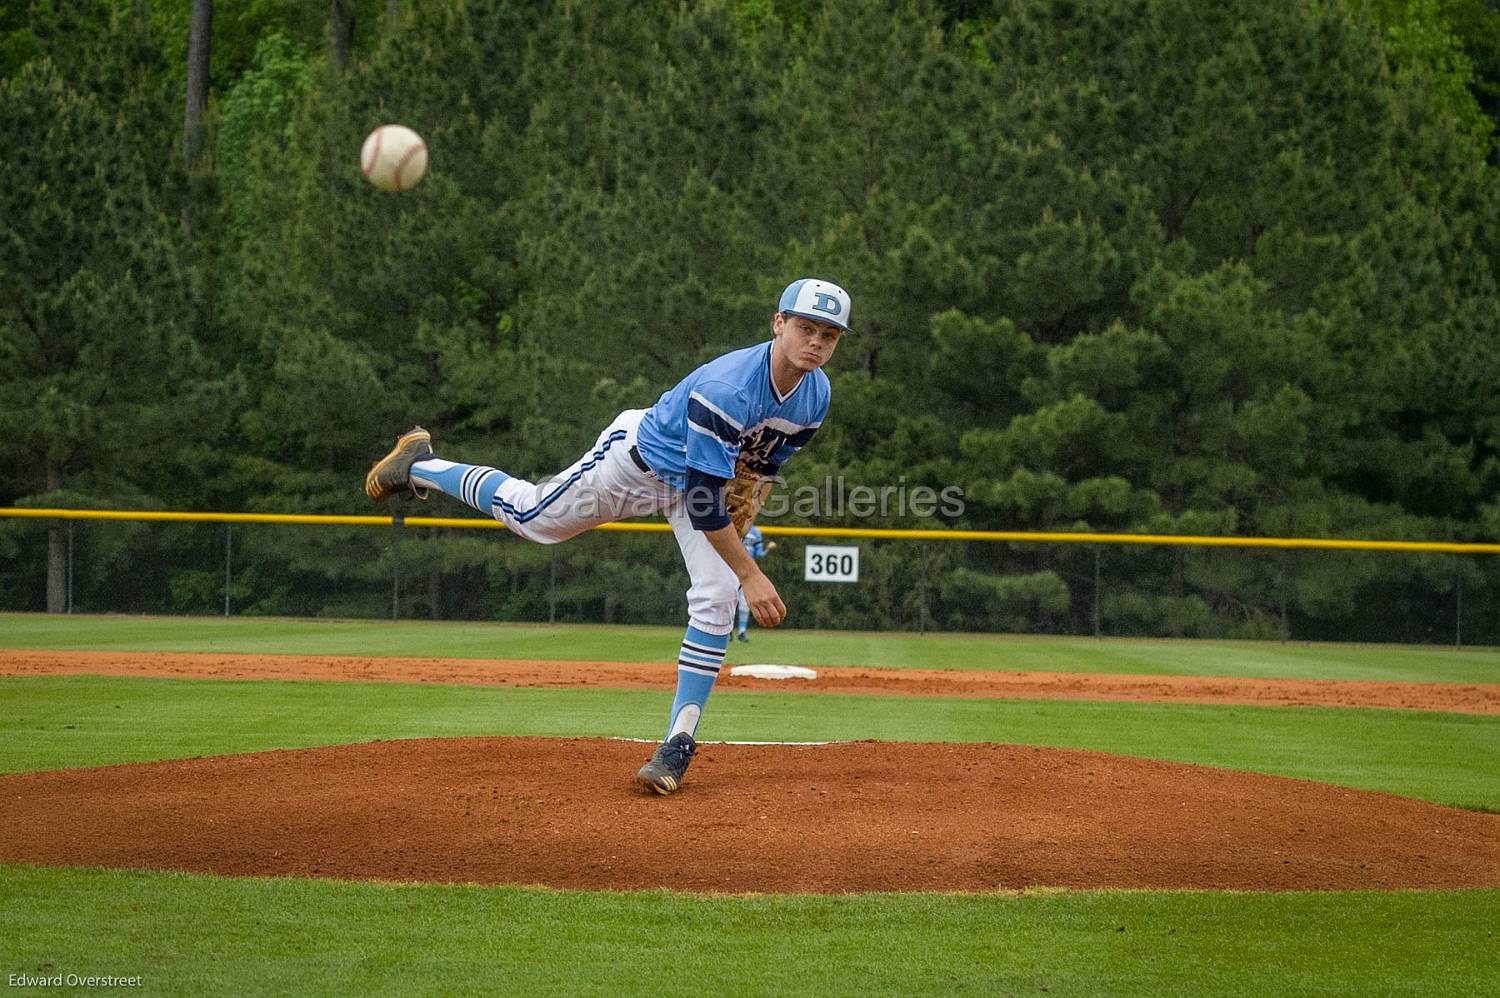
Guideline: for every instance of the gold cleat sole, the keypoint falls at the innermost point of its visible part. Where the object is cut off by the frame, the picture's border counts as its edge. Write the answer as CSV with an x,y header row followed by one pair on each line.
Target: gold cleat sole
x,y
657,787
380,491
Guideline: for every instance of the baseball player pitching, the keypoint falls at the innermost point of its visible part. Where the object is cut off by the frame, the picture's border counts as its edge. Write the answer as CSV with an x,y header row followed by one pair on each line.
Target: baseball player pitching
x,y
705,455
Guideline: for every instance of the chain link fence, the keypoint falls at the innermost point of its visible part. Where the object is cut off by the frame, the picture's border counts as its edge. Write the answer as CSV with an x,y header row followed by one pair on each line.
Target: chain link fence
x,y
404,571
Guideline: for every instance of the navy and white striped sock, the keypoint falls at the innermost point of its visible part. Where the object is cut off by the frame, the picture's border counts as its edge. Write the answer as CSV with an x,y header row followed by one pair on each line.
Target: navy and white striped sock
x,y
698,664
474,484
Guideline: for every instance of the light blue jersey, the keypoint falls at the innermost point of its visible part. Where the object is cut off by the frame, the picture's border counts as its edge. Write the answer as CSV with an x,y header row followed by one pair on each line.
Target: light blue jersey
x,y
755,543
729,408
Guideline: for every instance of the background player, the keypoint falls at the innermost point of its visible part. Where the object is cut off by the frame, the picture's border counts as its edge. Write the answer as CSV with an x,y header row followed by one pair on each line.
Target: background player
x,y
731,423
755,544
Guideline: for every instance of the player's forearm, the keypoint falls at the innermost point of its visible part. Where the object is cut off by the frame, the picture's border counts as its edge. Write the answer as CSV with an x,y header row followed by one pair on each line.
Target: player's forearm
x,y
726,541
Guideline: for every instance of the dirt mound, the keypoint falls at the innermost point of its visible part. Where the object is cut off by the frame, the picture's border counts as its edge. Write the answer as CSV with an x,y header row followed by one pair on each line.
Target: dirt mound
x,y
863,816
1468,698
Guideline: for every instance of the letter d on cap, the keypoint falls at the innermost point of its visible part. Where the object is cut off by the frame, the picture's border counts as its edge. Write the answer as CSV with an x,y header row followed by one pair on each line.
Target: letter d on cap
x,y
808,298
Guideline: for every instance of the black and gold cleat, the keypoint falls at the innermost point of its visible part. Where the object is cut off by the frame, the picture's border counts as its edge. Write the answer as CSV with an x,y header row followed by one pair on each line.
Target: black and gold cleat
x,y
391,475
668,764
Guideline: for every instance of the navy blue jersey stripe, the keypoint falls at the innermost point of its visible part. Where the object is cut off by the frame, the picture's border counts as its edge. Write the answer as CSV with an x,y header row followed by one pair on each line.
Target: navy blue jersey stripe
x,y
703,416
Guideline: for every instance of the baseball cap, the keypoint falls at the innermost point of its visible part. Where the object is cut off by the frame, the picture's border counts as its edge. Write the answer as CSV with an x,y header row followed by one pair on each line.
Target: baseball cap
x,y
822,301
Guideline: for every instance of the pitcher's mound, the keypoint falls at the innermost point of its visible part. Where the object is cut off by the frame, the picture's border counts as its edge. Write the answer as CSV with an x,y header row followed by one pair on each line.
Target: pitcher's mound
x,y
865,816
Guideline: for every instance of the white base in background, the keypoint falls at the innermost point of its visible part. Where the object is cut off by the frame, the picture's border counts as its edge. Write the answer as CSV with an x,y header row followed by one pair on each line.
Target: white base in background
x,y
773,671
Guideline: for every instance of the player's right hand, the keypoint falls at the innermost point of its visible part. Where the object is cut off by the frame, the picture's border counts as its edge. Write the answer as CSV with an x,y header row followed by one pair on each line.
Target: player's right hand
x,y
764,602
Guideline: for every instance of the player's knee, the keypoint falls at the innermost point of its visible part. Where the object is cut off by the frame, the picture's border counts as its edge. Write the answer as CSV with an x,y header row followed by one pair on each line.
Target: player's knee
x,y
527,532
719,592
713,601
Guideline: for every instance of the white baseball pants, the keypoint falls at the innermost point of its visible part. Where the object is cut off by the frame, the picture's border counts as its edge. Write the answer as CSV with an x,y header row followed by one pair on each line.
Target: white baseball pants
x,y
605,485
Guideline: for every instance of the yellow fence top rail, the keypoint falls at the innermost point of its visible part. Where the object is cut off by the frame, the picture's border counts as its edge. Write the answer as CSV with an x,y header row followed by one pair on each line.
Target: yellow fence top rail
x,y
1008,536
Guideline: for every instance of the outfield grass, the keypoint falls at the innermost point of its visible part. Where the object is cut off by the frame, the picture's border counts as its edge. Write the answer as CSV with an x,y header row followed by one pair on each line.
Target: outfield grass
x,y
658,644
56,722
189,934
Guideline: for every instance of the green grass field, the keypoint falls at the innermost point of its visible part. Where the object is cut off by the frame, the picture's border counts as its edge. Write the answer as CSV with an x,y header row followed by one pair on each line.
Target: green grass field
x,y
200,934
66,721
1427,663
212,935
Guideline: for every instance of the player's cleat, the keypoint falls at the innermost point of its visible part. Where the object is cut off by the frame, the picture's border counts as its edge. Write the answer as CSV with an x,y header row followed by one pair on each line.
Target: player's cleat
x,y
391,475
668,764
742,636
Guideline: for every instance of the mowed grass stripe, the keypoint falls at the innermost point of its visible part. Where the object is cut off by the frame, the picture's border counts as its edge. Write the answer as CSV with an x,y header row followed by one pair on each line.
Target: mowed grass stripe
x,y
1396,663
191,934
67,721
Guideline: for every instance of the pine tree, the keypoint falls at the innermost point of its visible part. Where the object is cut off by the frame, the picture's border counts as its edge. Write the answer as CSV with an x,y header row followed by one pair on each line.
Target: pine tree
x,y
94,316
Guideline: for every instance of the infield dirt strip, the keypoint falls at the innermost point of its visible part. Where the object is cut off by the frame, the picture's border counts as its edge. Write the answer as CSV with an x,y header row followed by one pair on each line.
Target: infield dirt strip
x,y
859,816
1465,698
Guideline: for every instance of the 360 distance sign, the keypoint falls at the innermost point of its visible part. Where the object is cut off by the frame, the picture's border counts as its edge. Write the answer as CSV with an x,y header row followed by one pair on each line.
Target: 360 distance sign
x,y
831,563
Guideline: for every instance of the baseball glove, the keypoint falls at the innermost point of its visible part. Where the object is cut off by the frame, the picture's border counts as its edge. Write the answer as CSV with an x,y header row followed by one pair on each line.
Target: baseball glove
x,y
743,495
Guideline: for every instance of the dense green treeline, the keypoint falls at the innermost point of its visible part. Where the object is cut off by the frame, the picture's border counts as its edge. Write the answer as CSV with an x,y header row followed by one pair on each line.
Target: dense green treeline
x,y
1124,265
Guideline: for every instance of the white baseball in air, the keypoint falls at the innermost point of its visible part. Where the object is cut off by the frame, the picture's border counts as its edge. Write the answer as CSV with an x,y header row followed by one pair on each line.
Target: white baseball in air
x,y
394,158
